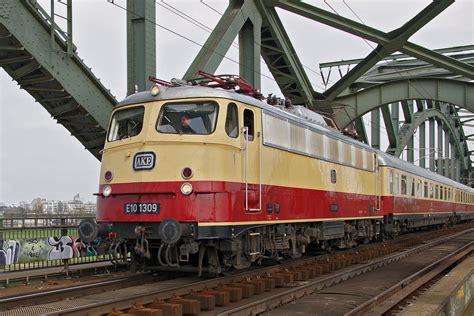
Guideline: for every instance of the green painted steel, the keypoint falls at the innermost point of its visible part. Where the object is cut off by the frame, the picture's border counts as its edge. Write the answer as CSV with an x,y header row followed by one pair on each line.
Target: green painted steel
x,y
59,81
380,37
397,37
219,41
282,60
375,128
141,44
402,58
390,125
249,53
445,90
439,95
419,119
361,131
422,145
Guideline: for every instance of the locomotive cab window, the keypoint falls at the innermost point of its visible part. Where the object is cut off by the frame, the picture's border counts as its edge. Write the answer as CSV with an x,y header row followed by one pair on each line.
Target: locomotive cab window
x,y
232,121
126,123
249,123
197,118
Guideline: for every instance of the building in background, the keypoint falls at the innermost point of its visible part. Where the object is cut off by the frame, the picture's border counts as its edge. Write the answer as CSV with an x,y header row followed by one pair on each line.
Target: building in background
x,y
47,206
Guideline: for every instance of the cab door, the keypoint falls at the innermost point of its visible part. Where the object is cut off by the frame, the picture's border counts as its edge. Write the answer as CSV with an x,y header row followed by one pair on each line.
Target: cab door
x,y
251,158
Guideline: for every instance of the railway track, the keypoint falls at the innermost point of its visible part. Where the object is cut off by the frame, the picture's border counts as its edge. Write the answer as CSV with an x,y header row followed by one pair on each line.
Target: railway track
x,y
254,291
32,298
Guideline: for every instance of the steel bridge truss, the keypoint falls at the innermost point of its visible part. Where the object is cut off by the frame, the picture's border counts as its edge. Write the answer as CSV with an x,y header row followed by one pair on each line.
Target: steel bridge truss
x,y
429,87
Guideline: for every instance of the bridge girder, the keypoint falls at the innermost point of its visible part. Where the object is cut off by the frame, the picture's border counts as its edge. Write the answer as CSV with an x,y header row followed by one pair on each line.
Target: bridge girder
x,y
435,100
43,63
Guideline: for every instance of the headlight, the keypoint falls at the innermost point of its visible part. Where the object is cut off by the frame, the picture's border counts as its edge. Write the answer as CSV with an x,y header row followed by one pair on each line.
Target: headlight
x,y
186,188
155,90
107,191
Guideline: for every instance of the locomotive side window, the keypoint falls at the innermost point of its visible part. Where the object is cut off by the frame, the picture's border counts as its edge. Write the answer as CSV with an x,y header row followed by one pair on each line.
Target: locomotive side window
x,y
232,121
126,123
249,123
188,118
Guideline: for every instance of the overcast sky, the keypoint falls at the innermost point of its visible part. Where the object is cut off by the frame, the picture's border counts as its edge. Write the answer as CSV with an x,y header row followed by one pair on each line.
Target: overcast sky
x,y
39,158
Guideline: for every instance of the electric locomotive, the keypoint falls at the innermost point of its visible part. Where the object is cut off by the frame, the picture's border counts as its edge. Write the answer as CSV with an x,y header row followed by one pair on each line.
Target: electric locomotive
x,y
206,175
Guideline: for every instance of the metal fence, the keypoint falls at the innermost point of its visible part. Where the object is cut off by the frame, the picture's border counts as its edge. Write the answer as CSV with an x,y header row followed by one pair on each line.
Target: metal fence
x,y
40,241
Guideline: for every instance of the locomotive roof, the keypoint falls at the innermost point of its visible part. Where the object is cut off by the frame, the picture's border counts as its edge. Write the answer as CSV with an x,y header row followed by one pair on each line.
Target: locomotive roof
x,y
192,92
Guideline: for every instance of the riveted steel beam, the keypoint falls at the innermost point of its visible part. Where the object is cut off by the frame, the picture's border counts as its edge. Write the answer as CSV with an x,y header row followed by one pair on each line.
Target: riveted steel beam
x,y
282,60
407,107
439,147
375,128
141,44
422,145
249,52
390,127
360,128
56,78
379,37
446,152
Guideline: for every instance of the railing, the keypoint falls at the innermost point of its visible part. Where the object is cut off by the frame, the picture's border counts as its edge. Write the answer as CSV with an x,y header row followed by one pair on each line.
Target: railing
x,y
40,241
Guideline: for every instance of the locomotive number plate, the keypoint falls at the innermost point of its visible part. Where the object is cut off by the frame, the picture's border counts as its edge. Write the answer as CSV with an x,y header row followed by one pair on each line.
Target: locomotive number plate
x,y
141,208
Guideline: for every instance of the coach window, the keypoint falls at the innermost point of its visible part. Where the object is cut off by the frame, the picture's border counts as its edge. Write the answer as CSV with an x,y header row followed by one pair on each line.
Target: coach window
x,y
404,185
390,181
425,191
445,193
436,192
249,123
412,186
397,185
232,121
419,190
441,189
431,190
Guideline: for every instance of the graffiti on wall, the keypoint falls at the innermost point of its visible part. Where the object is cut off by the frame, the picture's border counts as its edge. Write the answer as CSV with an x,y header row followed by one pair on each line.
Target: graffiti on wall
x,y
50,248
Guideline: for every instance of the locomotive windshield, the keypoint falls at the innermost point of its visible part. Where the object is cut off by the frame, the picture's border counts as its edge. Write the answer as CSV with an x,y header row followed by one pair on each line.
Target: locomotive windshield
x,y
126,123
188,118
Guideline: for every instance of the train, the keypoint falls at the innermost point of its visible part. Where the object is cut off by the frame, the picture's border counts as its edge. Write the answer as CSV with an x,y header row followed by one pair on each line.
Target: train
x,y
209,176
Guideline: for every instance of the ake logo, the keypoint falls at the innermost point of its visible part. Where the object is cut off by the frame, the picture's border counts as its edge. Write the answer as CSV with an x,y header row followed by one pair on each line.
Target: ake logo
x,y
144,161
